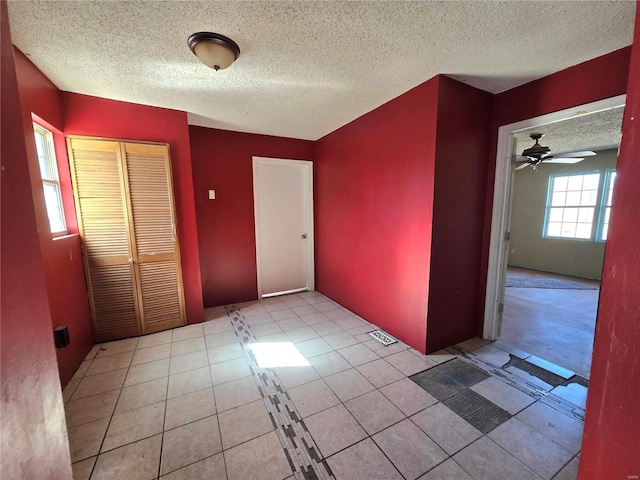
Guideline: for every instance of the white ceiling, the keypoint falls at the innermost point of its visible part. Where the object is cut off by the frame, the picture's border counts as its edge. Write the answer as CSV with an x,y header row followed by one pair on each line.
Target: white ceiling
x,y
307,68
595,131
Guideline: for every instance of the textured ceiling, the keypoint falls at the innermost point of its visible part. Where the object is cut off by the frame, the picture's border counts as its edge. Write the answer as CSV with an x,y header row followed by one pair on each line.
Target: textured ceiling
x,y
596,131
307,68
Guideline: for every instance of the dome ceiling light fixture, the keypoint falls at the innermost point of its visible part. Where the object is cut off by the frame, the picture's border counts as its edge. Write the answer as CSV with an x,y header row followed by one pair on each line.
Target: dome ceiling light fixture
x,y
214,50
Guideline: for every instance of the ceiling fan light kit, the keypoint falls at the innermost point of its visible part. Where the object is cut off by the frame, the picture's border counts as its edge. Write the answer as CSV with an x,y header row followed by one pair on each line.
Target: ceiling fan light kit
x,y
535,155
214,50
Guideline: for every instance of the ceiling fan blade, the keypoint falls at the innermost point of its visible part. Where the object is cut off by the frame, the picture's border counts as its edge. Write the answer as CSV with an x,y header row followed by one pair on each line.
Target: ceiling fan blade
x,y
585,153
520,167
520,159
563,160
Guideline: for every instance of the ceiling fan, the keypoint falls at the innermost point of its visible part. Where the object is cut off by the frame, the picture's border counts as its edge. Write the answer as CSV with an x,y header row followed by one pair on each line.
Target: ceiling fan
x,y
533,156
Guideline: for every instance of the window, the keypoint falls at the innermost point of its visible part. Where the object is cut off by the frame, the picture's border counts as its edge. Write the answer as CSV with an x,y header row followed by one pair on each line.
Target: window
x,y
50,179
605,209
571,205
578,203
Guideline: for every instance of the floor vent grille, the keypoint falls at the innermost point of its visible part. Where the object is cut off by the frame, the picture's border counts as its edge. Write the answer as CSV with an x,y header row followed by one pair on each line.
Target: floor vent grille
x,y
383,338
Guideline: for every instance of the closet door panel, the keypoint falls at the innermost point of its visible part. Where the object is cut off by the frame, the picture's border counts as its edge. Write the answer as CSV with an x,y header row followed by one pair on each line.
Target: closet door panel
x,y
113,301
157,257
97,175
160,295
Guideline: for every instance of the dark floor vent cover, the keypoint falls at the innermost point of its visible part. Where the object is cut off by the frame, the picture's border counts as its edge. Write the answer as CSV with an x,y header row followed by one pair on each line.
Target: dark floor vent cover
x,y
383,338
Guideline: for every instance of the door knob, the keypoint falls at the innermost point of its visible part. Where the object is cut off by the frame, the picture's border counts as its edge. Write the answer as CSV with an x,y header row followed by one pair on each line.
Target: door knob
x,y
130,260
304,235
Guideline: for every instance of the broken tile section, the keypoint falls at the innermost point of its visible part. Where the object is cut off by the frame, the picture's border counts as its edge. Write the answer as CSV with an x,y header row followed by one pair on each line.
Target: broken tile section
x,y
506,397
449,378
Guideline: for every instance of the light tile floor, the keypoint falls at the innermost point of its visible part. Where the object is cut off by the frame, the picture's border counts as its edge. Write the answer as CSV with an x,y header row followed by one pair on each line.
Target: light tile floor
x,y
189,404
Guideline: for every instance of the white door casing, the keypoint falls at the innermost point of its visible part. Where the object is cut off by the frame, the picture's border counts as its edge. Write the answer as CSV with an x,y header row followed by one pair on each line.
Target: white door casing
x,y
283,207
497,266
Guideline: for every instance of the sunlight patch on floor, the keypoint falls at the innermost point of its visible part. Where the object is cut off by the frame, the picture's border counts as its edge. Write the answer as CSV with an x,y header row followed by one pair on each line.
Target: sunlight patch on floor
x,y
277,354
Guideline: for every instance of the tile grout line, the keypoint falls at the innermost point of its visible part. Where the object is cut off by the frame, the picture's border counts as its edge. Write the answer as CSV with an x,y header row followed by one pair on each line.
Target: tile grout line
x,y
369,435
164,419
272,400
65,407
112,413
504,450
222,449
566,464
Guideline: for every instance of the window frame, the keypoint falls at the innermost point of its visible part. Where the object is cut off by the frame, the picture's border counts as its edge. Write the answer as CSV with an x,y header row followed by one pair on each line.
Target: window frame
x,y
596,208
52,175
606,187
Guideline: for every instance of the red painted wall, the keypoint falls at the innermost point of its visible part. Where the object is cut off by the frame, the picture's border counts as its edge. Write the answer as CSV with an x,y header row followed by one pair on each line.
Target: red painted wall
x,y
33,436
68,302
222,161
38,93
462,160
374,182
62,257
609,446
99,117
597,79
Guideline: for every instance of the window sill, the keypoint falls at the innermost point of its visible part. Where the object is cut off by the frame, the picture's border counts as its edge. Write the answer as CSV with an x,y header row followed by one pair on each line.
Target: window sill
x,y
570,239
63,237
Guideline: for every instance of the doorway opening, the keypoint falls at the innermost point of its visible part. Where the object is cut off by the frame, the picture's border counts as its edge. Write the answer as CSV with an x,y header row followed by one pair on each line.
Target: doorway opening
x,y
548,237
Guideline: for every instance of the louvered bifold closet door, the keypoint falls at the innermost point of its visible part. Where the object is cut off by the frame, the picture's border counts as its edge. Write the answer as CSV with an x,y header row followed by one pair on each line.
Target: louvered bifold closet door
x,y
157,254
98,181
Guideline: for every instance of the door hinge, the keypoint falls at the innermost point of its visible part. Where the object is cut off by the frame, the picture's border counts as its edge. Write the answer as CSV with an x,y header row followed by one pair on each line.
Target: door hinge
x,y
500,307
507,235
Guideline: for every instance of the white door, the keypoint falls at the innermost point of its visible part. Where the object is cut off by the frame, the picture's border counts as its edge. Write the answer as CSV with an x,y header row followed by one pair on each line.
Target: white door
x,y
283,203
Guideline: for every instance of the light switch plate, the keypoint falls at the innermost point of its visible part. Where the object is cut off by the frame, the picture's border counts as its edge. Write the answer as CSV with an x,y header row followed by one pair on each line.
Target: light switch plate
x,y
212,194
